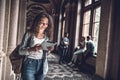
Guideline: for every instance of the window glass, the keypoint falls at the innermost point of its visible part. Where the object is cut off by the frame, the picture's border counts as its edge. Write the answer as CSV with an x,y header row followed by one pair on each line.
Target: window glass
x,y
86,24
95,30
96,0
88,2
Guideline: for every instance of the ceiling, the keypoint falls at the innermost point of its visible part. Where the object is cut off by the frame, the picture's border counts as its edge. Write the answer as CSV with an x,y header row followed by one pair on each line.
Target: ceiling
x,y
36,6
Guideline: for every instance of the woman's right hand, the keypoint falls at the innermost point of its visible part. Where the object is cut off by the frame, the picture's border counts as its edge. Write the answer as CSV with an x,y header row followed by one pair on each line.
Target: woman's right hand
x,y
35,48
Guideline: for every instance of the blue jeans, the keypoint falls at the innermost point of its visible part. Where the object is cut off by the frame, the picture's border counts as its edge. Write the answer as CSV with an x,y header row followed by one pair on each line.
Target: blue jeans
x,y
63,55
32,69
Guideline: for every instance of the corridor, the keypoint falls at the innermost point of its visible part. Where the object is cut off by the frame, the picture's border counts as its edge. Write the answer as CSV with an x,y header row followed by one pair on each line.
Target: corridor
x,y
79,18
63,71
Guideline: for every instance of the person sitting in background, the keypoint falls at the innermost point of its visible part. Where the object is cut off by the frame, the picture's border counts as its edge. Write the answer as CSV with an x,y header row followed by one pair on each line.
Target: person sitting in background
x,y
90,48
80,50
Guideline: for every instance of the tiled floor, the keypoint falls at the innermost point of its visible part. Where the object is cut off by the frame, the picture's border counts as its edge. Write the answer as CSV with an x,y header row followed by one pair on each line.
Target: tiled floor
x,y
63,72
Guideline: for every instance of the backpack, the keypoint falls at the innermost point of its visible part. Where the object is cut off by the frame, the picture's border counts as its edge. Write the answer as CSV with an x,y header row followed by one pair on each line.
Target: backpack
x,y
16,60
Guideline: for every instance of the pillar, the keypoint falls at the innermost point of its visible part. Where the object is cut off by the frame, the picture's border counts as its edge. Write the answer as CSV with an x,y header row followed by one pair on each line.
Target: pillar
x,y
77,24
2,19
104,39
22,20
5,38
14,11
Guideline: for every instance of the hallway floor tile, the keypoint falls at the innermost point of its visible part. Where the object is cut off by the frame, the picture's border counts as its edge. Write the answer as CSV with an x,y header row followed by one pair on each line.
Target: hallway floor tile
x,y
63,71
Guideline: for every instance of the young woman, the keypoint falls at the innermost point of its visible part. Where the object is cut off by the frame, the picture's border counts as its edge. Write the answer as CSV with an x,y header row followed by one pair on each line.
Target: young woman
x,y
35,56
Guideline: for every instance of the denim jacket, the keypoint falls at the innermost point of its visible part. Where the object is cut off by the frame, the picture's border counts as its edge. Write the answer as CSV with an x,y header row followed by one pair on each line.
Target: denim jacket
x,y
27,42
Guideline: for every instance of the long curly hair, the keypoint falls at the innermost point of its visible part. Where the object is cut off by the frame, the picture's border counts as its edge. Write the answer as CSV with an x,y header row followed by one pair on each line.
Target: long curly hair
x,y
35,26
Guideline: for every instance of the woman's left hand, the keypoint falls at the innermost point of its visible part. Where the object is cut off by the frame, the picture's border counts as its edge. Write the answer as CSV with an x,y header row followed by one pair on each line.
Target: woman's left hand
x,y
50,48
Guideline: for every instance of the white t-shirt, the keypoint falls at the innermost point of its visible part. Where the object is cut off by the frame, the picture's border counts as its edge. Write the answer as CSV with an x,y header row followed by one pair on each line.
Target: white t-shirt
x,y
66,40
36,54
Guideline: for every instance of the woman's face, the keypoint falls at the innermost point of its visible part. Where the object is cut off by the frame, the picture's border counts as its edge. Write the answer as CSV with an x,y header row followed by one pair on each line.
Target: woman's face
x,y
43,23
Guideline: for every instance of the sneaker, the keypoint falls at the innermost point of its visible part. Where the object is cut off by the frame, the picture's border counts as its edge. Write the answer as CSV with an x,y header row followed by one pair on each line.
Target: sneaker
x,y
70,63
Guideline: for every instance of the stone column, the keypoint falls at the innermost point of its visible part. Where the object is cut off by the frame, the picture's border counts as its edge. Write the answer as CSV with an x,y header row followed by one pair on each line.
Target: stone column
x,y
5,38
67,18
2,19
77,24
13,24
14,11
22,20
60,25
104,38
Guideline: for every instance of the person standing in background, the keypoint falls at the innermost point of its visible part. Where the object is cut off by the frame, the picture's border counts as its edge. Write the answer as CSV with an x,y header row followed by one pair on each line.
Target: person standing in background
x,y
63,48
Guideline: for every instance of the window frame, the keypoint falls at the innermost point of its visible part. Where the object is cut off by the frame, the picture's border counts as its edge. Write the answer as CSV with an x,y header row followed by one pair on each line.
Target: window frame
x,y
91,7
